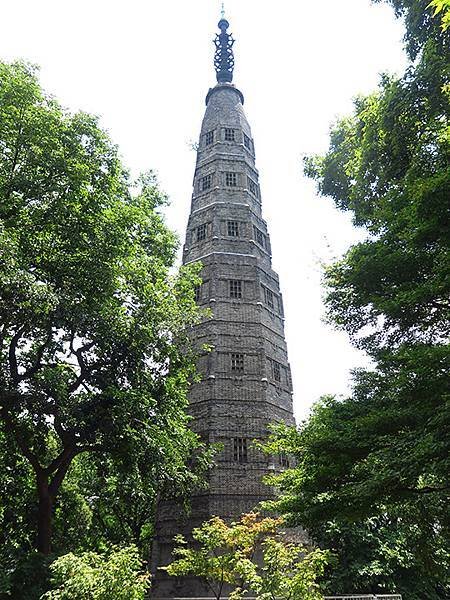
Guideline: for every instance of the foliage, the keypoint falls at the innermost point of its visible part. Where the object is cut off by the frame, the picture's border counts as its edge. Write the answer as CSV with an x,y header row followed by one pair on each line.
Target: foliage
x,y
371,477
442,7
249,556
28,579
377,446
423,25
115,575
352,489
389,165
94,354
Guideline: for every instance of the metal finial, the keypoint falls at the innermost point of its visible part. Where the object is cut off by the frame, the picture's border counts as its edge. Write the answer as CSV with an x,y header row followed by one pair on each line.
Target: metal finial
x,y
224,57
222,12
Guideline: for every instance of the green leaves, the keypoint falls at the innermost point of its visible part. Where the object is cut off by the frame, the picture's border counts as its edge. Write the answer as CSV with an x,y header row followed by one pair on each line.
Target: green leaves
x,y
94,354
115,575
388,164
442,8
371,474
227,554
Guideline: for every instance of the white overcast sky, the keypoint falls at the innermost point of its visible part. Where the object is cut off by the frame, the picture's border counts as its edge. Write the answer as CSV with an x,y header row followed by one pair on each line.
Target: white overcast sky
x,y
145,66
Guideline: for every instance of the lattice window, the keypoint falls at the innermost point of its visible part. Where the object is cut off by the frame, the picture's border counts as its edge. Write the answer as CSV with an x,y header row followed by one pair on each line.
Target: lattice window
x,y
276,370
233,228
198,293
240,450
231,179
260,238
247,142
237,362
253,187
229,135
269,297
205,182
235,288
201,232
209,138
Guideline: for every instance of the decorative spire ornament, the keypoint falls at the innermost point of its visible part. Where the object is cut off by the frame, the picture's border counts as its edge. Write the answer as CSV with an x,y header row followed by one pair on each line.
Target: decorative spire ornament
x,y
224,57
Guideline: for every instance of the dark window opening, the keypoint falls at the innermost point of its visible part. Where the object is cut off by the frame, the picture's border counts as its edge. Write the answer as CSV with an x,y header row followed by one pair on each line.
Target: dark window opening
x,y
247,142
209,138
235,288
237,362
201,232
233,228
205,182
240,450
276,370
229,135
260,238
269,297
253,187
231,179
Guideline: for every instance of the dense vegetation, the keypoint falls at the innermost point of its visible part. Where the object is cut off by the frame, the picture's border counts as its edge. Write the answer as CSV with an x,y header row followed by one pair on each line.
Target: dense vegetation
x,y
371,480
94,359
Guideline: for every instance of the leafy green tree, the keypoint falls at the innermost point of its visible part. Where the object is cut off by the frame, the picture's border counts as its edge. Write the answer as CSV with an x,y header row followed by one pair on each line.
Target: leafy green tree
x,y
94,355
249,557
371,478
114,575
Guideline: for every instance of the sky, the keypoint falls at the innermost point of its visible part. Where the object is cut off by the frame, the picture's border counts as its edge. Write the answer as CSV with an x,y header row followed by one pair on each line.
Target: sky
x,y
145,66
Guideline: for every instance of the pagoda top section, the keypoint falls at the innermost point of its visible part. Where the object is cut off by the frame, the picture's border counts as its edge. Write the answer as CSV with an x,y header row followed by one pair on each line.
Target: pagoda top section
x,y
224,57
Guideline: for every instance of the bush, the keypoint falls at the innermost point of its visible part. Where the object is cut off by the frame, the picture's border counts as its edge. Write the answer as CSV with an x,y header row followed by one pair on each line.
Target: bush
x,y
114,575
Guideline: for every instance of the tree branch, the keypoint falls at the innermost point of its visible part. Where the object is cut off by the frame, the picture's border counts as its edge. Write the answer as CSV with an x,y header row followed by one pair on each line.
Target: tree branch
x,y
64,460
84,369
13,366
32,458
39,354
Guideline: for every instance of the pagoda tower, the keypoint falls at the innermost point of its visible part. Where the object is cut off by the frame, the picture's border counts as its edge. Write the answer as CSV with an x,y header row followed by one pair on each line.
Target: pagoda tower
x,y
245,377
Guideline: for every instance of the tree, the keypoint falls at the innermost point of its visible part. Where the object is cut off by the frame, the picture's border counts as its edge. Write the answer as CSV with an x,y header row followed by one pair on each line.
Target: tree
x,y
249,556
94,354
373,468
114,575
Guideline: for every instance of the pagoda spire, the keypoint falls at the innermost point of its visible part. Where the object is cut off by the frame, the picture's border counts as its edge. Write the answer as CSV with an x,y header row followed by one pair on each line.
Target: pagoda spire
x,y
224,57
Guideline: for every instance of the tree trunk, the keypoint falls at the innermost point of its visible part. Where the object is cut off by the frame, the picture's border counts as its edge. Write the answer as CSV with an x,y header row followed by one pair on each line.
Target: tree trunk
x,y
44,524
48,483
